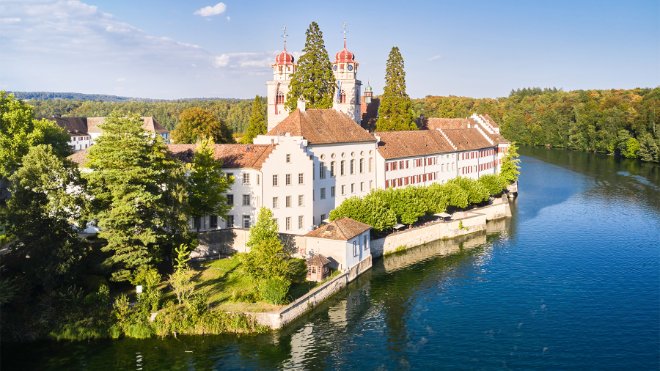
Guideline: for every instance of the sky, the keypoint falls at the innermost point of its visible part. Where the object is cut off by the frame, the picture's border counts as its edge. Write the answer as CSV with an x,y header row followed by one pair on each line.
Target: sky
x,y
171,49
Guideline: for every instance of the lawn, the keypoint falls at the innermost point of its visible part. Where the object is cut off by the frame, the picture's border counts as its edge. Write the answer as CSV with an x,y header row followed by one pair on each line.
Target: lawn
x,y
229,289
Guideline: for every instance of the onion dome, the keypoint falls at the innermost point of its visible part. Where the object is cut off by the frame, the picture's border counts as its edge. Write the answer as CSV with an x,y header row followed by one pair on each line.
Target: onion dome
x,y
284,58
344,55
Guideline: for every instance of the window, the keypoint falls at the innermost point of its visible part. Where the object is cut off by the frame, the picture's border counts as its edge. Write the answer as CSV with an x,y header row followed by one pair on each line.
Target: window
x,y
332,191
288,201
230,200
230,175
361,165
279,99
288,223
371,162
213,221
287,179
343,189
352,187
365,242
321,170
197,223
361,186
246,221
352,168
356,250
275,202
342,96
246,200
301,178
322,193
246,178
288,158
301,200
275,180
258,179
230,221
332,168
341,167
301,220
323,217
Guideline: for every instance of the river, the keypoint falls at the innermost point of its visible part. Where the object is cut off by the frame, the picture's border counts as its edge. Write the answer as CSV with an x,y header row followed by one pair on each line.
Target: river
x,y
571,281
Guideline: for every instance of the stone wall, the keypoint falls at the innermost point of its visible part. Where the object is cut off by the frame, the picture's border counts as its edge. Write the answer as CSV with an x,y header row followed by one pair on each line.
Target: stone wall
x,y
220,242
302,305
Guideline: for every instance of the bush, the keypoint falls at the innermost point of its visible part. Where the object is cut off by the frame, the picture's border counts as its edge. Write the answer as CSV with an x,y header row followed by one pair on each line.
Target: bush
x,y
274,290
493,183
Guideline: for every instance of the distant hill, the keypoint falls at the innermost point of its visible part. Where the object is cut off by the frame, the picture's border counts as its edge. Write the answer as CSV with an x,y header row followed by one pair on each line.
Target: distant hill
x,y
49,95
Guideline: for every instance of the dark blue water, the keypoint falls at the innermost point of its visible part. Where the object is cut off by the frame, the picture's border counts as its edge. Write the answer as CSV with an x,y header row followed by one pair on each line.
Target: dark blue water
x,y
572,281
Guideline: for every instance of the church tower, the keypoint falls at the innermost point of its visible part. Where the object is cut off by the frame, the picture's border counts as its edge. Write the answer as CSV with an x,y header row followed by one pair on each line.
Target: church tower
x,y
278,87
347,89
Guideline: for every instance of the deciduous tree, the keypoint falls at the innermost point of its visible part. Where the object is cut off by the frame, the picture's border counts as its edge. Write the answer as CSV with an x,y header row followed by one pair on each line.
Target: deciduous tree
x,y
196,123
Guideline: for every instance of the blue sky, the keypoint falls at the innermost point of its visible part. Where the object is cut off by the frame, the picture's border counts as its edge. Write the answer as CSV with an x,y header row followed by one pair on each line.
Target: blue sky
x,y
199,48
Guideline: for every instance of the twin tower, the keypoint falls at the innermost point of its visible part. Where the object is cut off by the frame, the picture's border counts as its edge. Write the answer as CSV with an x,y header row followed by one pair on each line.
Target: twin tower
x,y
347,87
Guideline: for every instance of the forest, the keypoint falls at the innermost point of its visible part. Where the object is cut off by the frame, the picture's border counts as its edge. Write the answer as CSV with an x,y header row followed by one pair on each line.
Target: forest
x,y
620,122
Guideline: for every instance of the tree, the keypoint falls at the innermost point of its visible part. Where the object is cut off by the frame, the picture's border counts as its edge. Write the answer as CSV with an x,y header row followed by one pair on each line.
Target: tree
x,y
510,164
139,195
649,150
181,278
196,123
19,131
257,123
313,80
395,111
207,184
47,201
267,257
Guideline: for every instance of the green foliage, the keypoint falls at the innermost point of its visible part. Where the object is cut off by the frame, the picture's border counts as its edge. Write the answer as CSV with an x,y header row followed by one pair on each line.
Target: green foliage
x,y
510,168
649,148
476,191
274,290
139,195
372,210
267,257
586,120
206,183
182,256
313,80
149,279
494,184
257,124
196,123
19,131
182,284
395,110
47,197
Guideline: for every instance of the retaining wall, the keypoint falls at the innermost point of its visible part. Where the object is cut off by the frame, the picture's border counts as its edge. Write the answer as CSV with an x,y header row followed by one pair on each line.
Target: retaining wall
x,y
276,320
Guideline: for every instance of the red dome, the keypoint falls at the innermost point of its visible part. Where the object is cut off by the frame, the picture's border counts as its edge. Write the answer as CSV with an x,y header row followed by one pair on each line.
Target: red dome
x,y
344,56
284,58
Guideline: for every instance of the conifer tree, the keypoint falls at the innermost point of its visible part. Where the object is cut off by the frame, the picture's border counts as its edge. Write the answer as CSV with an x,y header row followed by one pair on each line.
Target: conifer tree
x,y
257,123
395,111
313,80
207,184
138,191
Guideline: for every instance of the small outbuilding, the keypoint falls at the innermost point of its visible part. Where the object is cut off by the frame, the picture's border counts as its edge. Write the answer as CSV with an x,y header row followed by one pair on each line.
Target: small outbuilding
x,y
318,268
345,242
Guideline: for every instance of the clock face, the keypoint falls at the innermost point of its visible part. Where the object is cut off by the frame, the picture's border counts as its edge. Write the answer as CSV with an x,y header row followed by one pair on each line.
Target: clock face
x,y
350,67
334,67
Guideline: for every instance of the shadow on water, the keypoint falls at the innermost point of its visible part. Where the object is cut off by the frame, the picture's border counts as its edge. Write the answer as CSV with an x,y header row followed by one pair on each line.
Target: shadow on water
x,y
628,180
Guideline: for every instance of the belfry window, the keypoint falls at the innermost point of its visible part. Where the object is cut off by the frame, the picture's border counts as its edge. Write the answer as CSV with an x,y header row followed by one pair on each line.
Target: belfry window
x,y
279,99
342,97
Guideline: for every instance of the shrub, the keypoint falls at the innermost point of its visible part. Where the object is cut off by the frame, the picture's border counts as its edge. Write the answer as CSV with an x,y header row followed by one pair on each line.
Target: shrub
x,y
274,290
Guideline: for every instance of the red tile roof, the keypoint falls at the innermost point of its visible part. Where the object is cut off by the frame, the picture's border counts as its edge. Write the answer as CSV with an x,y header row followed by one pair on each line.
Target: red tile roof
x,y
399,144
341,229
447,123
322,126
232,155
467,139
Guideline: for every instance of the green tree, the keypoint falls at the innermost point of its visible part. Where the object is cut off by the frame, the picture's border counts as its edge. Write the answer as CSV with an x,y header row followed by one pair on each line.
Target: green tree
x,y
181,279
19,131
395,111
47,201
313,80
207,184
649,150
257,123
510,168
267,257
139,195
196,123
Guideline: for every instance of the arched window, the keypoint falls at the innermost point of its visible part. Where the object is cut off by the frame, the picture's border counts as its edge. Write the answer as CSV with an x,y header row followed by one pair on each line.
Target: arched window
x,y
279,99
342,97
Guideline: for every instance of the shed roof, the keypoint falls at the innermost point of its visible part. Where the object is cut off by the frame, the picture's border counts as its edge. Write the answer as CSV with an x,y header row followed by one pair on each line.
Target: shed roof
x,y
341,229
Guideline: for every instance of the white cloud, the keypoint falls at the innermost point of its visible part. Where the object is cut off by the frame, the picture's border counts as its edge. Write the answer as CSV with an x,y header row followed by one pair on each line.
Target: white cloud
x,y
245,60
209,11
435,57
10,20
221,60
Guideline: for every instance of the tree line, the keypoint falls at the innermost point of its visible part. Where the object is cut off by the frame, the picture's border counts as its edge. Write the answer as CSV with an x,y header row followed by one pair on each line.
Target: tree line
x,y
619,122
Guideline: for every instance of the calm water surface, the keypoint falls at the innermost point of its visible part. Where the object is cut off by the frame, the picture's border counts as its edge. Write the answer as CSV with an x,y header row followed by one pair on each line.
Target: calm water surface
x,y
572,281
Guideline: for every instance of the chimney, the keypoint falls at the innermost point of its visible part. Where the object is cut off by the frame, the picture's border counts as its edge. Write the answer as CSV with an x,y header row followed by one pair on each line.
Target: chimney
x,y
301,105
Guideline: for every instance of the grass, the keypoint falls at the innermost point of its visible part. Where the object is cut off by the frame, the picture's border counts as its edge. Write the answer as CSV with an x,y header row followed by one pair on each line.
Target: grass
x,y
229,289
